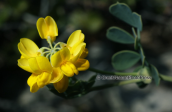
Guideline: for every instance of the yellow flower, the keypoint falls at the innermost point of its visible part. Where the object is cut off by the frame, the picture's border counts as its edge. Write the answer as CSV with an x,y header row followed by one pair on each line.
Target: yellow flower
x,y
66,62
70,59
47,28
28,48
42,73
61,59
76,45
78,51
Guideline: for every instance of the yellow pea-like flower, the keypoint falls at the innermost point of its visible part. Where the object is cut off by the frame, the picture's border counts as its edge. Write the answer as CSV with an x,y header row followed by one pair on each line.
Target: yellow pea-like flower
x,y
47,28
42,73
76,45
70,59
66,62
78,51
61,59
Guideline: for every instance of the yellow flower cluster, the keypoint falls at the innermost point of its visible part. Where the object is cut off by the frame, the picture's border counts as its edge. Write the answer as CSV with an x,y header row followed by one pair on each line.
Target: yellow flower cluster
x,y
58,63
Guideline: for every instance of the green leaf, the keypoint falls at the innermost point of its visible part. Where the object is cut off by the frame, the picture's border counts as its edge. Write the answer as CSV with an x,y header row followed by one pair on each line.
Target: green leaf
x,y
93,78
119,35
124,13
91,81
154,73
125,59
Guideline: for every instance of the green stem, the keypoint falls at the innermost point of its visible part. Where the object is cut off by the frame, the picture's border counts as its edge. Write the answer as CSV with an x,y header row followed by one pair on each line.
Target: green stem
x,y
138,34
111,73
50,42
56,49
114,84
47,55
166,78
57,44
142,55
45,52
134,32
46,48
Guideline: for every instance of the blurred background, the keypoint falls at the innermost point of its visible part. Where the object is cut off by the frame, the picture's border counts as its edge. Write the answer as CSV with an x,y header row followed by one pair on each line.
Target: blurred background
x,y
18,19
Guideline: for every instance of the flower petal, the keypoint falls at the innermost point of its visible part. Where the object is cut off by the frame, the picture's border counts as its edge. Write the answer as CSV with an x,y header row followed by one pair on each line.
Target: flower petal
x,y
65,54
67,70
23,51
44,64
57,75
56,59
52,27
84,53
62,85
75,38
78,51
24,64
40,64
81,39
22,57
82,64
60,57
34,66
32,82
42,28
29,45
43,79
72,66
28,48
